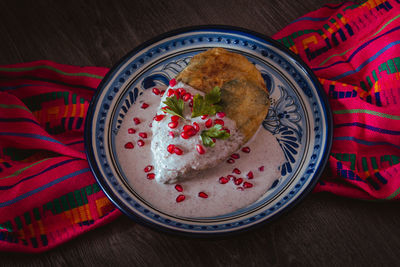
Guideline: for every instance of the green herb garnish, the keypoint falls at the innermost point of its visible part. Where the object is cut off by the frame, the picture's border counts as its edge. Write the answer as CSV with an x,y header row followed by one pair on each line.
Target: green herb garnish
x,y
175,106
214,132
207,105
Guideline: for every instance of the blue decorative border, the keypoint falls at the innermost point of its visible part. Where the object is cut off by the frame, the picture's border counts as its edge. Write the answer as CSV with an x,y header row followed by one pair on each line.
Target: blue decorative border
x,y
320,151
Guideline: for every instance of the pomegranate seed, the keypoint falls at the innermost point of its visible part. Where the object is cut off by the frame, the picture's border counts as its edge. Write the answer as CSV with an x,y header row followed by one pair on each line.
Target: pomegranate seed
x,y
136,120
180,198
250,175
237,181
220,115
230,161
192,132
235,156
178,151
172,82
226,130
191,103
143,135
156,91
131,131
223,180
246,149
247,185
159,117
204,117
176,93
151,176
200,149
170,148
185,135
148,168
218,121
181,91
213,139
144,106
231,177
208,123
196,126
173,124
129,145
140,143
186,97
162,93
171,134
261,169
175,118
178,188
237,171
239,188
164,109
187,128
203,195
170,92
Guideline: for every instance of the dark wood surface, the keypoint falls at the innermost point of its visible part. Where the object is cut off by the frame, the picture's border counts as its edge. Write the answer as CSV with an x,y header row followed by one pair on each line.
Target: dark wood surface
x,y
324,230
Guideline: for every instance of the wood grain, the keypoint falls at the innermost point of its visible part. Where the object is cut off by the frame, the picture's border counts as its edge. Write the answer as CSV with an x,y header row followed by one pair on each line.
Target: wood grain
x,y
324,230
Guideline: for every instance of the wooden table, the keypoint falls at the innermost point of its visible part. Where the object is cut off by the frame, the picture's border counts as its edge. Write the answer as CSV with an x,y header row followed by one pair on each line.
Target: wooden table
x,y
322,230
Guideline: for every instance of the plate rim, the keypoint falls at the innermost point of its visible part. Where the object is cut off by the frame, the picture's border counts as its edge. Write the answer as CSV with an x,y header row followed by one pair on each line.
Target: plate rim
x,y
158,227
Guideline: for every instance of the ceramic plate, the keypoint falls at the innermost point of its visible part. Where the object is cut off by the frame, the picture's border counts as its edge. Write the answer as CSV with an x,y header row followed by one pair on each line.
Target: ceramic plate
x,y
299,118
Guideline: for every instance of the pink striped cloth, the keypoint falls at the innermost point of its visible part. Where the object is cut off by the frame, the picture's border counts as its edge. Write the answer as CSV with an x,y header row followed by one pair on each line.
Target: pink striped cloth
x,y
48,194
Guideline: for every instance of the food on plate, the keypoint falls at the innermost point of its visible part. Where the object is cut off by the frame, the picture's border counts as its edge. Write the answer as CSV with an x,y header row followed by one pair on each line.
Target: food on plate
x,y
213,107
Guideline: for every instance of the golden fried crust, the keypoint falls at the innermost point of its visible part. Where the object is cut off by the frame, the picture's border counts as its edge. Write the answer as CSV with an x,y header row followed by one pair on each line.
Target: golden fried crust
x,y
244,96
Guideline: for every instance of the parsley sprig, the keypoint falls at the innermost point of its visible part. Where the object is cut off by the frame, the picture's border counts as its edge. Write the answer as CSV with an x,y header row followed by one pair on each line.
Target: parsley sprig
x,y
214,132
175,106
207,105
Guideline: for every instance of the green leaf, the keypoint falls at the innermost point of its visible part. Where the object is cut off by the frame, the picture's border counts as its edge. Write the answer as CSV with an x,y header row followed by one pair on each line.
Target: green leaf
x,y
207,105
175,106
214,132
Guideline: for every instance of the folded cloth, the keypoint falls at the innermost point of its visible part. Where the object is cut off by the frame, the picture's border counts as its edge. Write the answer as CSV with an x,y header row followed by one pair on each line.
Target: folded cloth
x,y
48,194
354,50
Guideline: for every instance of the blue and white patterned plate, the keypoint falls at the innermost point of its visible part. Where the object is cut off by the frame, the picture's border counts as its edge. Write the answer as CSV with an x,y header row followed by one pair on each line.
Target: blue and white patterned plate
x,y
299,118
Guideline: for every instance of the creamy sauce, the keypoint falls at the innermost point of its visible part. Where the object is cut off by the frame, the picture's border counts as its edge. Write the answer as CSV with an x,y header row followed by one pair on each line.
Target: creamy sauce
x,y
263,160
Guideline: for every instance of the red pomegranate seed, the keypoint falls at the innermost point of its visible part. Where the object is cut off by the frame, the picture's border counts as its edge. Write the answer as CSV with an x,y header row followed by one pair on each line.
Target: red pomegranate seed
x,y
156,91
226,130
237,171
131,131
200,149
261,169
185,135
144,106
247,185
191,103
220,115
175,118
170,148
231,177
178,151
171,134
214,140
246,149
235,156
186,97
170,92
196,126
173,124
187,128
148,168
143,135
203,195
239,188
204,117
176,93
179,188
162,93
129,145
230,161
164,109
140,143
238,181
172,82
223,180
208,123
219,121
159,117
151,176
250,175
136,120
181,91
180,198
